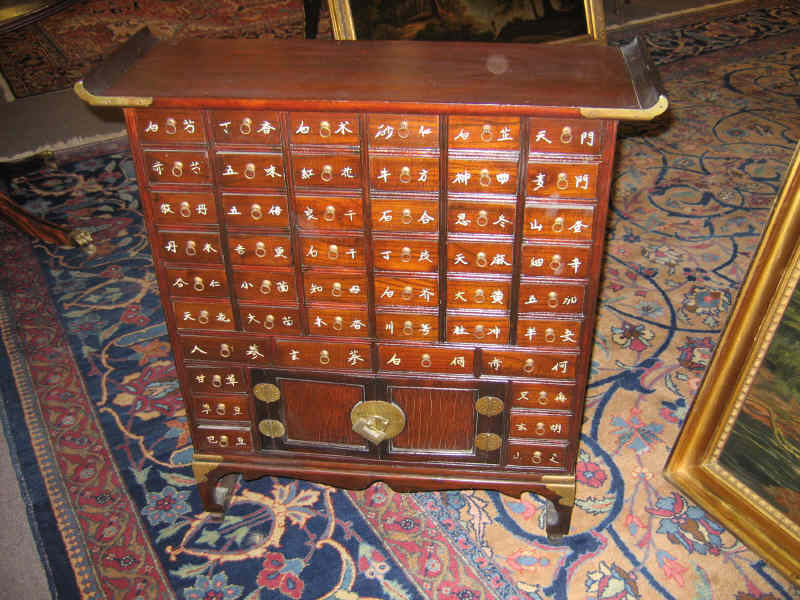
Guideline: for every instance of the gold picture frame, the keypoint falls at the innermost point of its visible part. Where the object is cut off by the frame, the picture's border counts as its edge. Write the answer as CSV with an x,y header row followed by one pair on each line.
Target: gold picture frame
x,y
740,436
344,27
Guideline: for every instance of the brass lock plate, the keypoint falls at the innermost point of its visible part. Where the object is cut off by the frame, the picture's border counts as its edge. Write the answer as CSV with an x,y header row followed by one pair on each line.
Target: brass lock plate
x,y
267,392
489,406
377,421
271,428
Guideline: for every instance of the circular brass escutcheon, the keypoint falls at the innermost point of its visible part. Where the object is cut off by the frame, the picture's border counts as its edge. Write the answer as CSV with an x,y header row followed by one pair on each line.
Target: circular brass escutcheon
x,y
489,406
555,262
267,392
377,420
479,331
541,429
488,442
408,328
223,441
271,428
221,409
480,296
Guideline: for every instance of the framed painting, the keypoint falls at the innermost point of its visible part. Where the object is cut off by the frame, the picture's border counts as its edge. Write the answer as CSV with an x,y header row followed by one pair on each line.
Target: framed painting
x,y
531,21
738,454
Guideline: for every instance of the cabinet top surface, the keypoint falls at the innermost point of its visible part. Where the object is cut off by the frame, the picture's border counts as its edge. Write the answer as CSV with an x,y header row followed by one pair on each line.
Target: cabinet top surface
x,y
368,74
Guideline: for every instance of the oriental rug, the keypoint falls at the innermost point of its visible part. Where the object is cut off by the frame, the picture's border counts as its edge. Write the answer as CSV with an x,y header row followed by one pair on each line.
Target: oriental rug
x,y
94,419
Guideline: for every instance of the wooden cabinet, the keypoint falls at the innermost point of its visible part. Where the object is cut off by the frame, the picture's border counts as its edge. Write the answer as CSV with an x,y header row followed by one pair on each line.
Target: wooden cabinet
x,y
379,260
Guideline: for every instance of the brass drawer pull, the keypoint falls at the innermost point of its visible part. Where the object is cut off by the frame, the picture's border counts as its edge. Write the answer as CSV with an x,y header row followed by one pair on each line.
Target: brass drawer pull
x,y
255,212
333,251
528,366
249,171
246,127
481,259
336,290
221,409
552,300
324,357
486,179
408,328
403,131
261,250
562,182
338,323
191,248
185,209
199,285
425,360
325,129
405,175
479,296
327,173
406,217
542,398
558,225
541,428
405,254
536,457
265,287
550,335
203,317
216,381
407,293
566,135
171,126
177,169
486,133
483,218
269,322
330,213
225,351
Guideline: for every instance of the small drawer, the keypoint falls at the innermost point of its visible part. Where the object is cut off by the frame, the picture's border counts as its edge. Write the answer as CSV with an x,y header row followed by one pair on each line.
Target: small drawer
x,y
271,320
407,326
207,380
403,131
477,327
221,408
250,170
404,173
336,322
405,215
478,216
481,176
222,439
179,208
537,425
514,363
223,348
345,288
557,221
275,285
327,170
566,136
419,291
483,293
338,212
203,315
549,332
191,247
561,298
324,128
246,127
406,255
177,166
260,250
495,133
480,257
568,180
556,261
197,283
170,126
255,211
551,457
542,396
323,355
426,359
346,252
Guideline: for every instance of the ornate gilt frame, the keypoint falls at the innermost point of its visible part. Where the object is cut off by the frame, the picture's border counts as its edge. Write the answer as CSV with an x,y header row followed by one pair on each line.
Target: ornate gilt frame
x,y
693,465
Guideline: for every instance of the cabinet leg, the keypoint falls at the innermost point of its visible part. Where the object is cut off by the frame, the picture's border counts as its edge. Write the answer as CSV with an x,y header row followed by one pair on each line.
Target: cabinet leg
x,y
558,517
215,486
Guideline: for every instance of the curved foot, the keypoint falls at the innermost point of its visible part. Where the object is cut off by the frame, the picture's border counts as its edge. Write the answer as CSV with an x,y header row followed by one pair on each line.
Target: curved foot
x,y
557,517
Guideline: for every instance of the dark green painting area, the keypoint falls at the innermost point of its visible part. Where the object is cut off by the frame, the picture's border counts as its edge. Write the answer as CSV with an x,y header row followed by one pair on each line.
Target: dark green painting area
x,y
763,450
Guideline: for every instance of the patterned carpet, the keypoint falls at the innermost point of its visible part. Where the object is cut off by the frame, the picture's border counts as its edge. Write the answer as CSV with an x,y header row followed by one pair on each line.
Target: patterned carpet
x,y
92,409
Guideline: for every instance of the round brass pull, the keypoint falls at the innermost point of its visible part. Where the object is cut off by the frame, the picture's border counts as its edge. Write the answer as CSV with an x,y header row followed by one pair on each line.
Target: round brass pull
x,y
338,323
221,409
269,322
550,335
407,293
265,287
171,126
327,173
405,175
408,328
191,248
255,212
324,357
177,169
479,332
558,225
562,182
199,285
405,254
185,209
330,213
246,126
249,171
333,251
486,179
223,441
336,290
203,317
528,366
552,300
536,457
261,250
325,129
486,133
267,392
481,259
542,398
403,131
216,381
479,296
541,429
483,218
225,350
406,217
425,360
566,135
377,421
555,263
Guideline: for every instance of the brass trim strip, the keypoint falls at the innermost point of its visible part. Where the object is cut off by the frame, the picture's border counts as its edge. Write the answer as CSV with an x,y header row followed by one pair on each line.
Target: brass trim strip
x,y
563,485
93,100
203,463
342,20
627,114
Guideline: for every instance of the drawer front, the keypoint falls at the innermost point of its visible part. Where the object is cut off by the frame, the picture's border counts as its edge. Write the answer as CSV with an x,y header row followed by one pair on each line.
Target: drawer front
x,y
337,213
250,170
177,166
425,359
478,293
481,176
549,332
404,173
555,261
224,348
515,363
276,285
221,408
566,136
557,221
406,291
203,315
222,439
192,247
346,252
323,355
477,328
542,396
344,288
260,250
156,126
407,326
485,133
179,208
327,170
561,298
480,257
246,127
536,425
324,128
336,322
271,320
256,211
570,180
197,283
403,131
406,255
405,215
465,216
219,380
549,457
